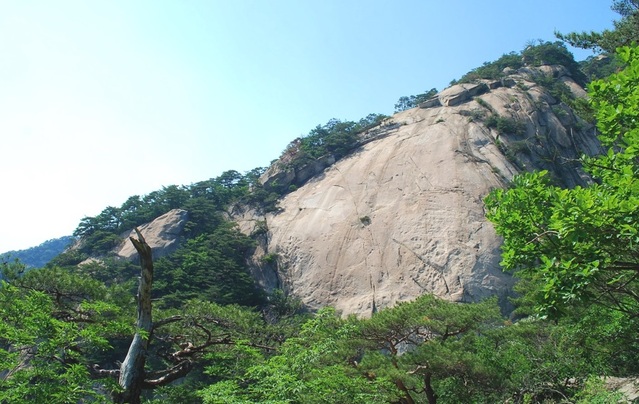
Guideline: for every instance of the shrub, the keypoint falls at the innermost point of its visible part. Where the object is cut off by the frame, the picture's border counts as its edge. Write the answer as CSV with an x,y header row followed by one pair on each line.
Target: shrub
x,y
493,70
270,258
365,220
412,101
505,125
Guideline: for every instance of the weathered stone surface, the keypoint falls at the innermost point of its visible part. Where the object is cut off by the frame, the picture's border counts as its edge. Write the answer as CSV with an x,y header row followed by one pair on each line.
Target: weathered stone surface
x,y
404,215
555,71
460,93
277,178
162,234
309,170
508,82
495,84
575,88
402,218
430,103
628,386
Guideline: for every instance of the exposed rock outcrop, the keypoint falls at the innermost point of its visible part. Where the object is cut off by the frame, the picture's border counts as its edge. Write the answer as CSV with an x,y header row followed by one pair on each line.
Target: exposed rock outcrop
x,y
403,215
162,235
461,93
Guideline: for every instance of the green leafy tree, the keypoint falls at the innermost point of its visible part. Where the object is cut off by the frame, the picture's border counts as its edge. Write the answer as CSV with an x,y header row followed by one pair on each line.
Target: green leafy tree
x,y
625,32
54,325
423,346
553,53
493,70
63,335
580,245
408,102
315,367
38,351
210,267
549,361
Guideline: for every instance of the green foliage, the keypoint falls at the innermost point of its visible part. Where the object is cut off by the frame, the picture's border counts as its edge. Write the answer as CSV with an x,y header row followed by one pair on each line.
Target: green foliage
x,y
333,140
100,242
536,54
369,121
336,138
68,258
580,245
493,70
51,327
205,201
595,392
428,343
283,306
600,66
505,126
539,360
428,350
556,88
311,368
211,267
270,258
625,32
553,53
408,102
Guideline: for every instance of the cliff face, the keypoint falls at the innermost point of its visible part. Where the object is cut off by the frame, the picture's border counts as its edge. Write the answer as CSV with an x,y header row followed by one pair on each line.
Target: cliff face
x,y
162,235
403,215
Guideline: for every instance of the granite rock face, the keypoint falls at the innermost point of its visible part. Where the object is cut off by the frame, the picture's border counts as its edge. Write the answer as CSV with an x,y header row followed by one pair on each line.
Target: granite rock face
x,y
162,235
403,214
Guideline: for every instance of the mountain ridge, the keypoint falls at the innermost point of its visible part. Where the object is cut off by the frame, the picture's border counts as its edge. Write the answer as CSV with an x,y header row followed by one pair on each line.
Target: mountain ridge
x,y
321,243
348,239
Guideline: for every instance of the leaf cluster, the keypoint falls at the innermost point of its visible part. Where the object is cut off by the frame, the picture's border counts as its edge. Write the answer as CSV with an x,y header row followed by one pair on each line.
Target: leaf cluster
x,y
624,33
537,53
504,125
336,138
211,267
204,200
580,245
408,102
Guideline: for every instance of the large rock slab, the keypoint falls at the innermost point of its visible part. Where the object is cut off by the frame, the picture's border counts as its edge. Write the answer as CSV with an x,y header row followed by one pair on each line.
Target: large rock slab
x,y
460,93
400,218
162,235
404,214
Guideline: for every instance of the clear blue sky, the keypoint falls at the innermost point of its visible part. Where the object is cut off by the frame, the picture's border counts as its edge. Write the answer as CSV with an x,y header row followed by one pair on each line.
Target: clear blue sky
x,y
101,100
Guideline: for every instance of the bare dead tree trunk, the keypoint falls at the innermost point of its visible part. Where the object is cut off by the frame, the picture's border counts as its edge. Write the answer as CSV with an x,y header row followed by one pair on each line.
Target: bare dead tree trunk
x,y
132,370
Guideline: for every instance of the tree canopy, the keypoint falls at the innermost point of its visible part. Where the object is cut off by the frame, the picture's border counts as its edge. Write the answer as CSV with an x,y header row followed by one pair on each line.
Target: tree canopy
x,y
625,32
581,244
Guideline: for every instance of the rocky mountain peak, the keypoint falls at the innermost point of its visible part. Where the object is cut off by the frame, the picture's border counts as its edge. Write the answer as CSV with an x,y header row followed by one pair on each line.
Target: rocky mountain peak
x,y
402,215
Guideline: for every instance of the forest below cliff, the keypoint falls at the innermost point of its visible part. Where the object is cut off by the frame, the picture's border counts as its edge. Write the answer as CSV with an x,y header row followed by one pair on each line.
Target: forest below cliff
x,y
217,337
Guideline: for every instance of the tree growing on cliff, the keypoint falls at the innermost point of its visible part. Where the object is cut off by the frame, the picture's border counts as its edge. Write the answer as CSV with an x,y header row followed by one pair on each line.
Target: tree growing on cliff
x,y
625,32
581,245
408,102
